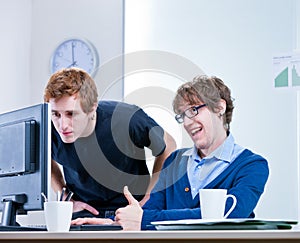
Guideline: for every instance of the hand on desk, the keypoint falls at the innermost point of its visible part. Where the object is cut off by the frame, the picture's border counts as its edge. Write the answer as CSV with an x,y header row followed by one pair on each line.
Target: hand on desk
x,y
129,217
79,206
80,221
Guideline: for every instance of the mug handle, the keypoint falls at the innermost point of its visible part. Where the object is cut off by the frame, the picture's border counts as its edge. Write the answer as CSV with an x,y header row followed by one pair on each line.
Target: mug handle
x,y
232,206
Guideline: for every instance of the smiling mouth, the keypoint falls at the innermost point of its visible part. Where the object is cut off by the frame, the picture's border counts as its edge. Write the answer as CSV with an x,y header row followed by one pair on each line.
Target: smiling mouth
x,y
193,132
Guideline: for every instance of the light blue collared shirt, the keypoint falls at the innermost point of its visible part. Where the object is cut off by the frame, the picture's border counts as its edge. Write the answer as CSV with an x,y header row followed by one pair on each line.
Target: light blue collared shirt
x,y
203,171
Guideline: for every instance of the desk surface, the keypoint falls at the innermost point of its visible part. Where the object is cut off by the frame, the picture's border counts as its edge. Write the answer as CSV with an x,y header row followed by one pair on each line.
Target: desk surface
x,y
149,236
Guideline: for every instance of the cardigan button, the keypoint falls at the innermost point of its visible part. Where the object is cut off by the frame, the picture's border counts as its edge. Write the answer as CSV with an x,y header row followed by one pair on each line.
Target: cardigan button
x,y
186,189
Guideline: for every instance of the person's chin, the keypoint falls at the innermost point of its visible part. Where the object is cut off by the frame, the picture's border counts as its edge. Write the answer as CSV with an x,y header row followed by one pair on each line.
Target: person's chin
x,y
68,139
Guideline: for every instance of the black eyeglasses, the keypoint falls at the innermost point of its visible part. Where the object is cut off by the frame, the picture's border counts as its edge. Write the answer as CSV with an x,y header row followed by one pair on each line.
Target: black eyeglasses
x,y
190,113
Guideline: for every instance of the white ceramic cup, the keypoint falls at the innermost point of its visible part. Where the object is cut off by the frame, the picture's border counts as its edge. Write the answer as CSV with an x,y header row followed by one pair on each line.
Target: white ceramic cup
x,y
213,201
58,215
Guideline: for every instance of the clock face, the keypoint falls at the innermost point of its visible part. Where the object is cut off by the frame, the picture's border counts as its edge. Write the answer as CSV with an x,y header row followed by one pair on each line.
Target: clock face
x,y
75,53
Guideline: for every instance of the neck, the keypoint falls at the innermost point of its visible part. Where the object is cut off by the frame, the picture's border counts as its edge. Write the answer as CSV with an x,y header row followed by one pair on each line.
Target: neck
x,y
217,143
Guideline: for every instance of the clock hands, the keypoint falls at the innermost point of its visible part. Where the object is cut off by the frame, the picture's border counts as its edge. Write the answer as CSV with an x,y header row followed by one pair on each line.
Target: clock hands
x,y
74,63
73,46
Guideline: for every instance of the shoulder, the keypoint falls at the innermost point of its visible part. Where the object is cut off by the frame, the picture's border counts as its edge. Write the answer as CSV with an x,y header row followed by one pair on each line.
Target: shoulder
x,y
250,161
125,112
175,156
249,156
109,106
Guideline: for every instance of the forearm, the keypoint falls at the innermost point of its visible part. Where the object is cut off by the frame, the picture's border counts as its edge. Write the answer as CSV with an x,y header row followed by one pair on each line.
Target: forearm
x,y
248,189
159,160
57,180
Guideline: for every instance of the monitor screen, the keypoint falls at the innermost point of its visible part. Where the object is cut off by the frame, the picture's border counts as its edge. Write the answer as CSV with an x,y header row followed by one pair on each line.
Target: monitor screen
x,y
24,160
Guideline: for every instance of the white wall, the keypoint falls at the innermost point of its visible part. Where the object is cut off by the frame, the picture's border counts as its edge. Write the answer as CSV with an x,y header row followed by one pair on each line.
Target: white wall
x,y
15,29
32,29
99,21
236,41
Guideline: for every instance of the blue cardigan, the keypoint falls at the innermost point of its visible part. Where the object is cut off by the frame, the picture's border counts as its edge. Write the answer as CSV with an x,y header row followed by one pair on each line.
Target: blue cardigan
x,y
171,198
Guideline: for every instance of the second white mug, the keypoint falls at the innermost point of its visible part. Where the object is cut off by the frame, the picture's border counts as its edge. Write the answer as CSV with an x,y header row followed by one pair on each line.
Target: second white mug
x,y
213,201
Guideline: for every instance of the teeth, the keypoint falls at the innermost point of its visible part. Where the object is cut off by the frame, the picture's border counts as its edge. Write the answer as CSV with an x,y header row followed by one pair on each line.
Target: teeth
x,y
193,132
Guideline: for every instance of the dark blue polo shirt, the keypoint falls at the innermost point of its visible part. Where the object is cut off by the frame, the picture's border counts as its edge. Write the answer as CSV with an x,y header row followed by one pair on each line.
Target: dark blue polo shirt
x,y
96,168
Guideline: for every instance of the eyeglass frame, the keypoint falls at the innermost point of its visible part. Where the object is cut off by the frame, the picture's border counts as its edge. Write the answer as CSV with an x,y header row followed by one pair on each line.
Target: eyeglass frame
x,y
180,117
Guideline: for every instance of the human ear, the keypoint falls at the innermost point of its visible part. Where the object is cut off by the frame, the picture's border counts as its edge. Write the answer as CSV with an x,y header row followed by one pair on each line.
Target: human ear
x,y
93,111
222,107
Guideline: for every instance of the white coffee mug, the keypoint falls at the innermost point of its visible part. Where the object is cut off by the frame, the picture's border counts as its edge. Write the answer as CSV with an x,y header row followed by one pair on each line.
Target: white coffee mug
x,y
213,201
58,215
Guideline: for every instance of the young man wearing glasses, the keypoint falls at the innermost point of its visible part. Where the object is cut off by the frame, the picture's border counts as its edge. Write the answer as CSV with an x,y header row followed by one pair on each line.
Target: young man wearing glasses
x,y
204,107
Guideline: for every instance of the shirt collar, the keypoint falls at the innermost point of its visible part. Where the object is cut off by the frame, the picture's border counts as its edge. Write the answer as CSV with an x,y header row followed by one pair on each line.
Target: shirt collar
x,y
223,152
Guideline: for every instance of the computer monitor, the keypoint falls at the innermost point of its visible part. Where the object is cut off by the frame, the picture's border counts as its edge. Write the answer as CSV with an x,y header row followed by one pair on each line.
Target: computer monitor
x,y
25,153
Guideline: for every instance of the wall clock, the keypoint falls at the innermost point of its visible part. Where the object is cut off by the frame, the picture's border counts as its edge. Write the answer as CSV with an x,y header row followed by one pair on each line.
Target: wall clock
x,y
75,52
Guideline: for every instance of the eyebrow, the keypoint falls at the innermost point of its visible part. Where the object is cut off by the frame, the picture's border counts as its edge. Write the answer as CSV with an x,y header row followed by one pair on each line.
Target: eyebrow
x,y
74,111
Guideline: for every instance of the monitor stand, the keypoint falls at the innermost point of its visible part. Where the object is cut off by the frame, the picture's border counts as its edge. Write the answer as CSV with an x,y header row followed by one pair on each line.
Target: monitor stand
x,y
12,203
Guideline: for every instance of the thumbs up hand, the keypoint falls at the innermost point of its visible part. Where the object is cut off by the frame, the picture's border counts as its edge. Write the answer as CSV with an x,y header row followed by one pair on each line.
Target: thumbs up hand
x,y
130,217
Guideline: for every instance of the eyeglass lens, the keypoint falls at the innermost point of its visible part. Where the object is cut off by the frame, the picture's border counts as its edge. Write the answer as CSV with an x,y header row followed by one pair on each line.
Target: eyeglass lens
x,y
190,113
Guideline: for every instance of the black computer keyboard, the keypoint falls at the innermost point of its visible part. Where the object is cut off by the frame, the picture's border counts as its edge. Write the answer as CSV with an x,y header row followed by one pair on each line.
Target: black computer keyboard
x,y
95,227
21,228
84,227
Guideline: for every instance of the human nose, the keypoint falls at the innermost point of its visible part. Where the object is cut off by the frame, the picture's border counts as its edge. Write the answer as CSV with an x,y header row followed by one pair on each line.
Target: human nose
x,y
63,123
